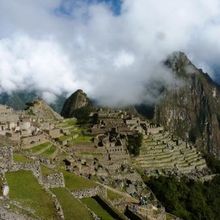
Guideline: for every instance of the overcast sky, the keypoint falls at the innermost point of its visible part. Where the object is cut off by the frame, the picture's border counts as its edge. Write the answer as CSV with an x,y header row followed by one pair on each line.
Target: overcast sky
x,y
111,49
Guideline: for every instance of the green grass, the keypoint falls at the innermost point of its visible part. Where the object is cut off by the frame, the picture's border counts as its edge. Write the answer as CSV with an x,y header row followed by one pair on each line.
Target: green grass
x,y
97,209
49,152
67,123
63,138
25,189
112,195
74,182
70,122
46,170
39,147
19,158
72,208
82,139
75,138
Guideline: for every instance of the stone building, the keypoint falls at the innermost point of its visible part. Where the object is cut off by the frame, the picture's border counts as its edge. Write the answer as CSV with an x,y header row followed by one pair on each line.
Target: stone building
x,y
33,140
54,133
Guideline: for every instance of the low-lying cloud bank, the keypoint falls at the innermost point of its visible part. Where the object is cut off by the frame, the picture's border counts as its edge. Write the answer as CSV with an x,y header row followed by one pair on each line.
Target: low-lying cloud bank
x,y
56,47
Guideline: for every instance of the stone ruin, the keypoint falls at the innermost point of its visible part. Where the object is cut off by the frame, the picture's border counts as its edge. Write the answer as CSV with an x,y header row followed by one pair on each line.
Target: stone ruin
x,y
92,192
6,158
53,180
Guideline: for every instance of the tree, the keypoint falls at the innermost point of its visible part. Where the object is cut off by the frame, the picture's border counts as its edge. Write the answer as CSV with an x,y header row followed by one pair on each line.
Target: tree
x,y
134,143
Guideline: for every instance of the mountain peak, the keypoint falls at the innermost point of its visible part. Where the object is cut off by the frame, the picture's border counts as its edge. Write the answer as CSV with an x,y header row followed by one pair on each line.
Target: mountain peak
x,y
181,64
77,100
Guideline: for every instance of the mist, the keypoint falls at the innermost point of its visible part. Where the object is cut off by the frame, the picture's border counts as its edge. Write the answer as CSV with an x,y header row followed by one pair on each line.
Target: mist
x,y
56,47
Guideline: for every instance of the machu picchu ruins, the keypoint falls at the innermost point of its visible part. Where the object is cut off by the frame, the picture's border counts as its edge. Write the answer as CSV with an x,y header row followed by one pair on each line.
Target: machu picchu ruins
x,y
92,164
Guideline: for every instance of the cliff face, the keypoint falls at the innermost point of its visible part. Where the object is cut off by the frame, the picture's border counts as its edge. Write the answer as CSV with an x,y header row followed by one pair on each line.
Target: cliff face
x,y
76,101
192,111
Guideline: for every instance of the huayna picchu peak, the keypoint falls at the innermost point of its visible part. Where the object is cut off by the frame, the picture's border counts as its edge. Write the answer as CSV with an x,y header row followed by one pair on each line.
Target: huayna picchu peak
x,y
76,101
192,110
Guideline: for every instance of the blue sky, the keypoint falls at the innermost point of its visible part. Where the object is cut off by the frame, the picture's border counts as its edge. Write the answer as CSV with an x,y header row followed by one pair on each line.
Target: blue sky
x,y
67,6
114,4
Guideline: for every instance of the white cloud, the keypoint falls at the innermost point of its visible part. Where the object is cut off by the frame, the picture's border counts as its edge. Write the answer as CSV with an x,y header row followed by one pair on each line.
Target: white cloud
x,y
114,59
123,59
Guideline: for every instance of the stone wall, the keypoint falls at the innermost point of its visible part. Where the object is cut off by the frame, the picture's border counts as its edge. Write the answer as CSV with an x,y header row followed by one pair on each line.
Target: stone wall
x,y
9,117
6,158
6,214
34,167
56,202
54,133
84,147
91,192
54,180
33,140
148,212
154,130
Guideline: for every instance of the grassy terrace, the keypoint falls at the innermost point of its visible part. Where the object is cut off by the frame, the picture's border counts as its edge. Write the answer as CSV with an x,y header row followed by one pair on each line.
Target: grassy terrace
x,y
49,152
25,189
112,195
68,123
97,208
46,170
74,182
81,139
76,135
39,147
72,208
63,138
76,138
19,158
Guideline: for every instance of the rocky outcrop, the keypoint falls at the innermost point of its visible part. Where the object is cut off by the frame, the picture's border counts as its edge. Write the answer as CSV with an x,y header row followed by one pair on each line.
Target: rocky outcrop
x,y
76,101
192,110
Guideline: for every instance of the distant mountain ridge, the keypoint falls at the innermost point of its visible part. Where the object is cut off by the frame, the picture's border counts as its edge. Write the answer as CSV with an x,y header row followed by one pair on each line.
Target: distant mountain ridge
x,y
18,100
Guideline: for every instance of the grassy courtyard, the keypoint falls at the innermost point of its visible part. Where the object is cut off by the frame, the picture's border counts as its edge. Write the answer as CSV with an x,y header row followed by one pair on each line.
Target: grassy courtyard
x,y
25,189
74,182
49,152
39,148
